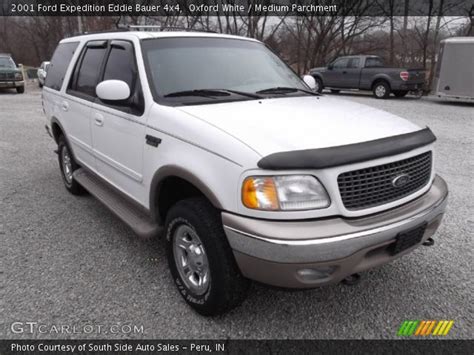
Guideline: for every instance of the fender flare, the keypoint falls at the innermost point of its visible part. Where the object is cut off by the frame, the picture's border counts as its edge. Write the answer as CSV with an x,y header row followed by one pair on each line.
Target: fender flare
x,y
54,120
381,77
176,171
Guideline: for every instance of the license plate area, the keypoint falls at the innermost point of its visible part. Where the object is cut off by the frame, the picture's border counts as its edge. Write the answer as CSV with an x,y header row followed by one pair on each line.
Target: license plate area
x,y
407,239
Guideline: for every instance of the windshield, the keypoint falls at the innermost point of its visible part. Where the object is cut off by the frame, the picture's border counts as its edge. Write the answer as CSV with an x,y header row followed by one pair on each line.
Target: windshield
x,y
177,65
6,62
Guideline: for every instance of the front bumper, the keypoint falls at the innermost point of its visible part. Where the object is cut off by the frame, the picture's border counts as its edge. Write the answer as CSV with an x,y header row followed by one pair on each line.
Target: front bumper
x,y
12,84
304,254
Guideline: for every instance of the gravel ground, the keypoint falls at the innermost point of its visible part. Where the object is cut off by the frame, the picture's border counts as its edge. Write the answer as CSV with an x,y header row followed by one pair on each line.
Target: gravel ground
x,y
67,260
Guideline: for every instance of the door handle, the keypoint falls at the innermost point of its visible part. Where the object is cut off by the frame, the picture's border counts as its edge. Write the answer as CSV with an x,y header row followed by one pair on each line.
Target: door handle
x,y
344,72
98,119
65,106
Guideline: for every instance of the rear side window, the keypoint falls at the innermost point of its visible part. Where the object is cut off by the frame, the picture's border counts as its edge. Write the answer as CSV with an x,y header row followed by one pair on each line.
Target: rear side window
x,y
354,63
121,63
87,74
341,63
59,63
373,62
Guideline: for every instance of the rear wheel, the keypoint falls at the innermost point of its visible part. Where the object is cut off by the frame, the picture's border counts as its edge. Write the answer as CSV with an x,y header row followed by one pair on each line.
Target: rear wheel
x,y
381,90
200,259
20,89
319,84
400,93
67,165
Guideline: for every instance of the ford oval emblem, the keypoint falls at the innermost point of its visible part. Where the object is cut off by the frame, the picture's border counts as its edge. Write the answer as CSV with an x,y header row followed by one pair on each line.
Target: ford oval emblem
x,y
400,180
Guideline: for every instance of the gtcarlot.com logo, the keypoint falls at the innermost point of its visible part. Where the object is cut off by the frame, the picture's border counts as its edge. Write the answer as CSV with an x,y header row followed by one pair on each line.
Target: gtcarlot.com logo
x,y
425,327
89,328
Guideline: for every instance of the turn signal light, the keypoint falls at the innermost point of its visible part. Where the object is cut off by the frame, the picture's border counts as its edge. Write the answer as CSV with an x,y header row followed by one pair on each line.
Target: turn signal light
x,y
260,193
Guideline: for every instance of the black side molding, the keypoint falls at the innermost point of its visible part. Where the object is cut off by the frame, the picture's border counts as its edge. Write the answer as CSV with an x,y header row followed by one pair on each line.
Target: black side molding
x,y
347,154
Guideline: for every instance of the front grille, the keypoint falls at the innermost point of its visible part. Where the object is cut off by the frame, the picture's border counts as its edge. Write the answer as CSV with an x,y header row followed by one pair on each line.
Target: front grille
x,y
374,186
7,76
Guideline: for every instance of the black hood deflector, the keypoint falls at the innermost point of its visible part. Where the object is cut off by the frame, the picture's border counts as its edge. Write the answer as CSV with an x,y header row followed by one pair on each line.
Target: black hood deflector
x,y
347,154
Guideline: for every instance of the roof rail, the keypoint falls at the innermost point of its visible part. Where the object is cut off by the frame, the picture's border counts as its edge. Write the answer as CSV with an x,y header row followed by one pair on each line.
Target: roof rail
x,y
164,28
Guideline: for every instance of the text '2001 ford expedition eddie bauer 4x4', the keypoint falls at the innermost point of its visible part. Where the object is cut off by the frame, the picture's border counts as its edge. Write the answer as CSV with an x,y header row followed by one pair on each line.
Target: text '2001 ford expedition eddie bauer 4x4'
x,y
215,142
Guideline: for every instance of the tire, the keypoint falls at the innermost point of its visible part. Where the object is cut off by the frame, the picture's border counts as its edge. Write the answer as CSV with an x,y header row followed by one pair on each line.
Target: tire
x,y
335,91
20,89
196,225
381,90
319,85
66,162
400,93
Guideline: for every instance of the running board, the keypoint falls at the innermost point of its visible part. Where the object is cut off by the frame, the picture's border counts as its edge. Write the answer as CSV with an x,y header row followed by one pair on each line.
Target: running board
x,y
128,211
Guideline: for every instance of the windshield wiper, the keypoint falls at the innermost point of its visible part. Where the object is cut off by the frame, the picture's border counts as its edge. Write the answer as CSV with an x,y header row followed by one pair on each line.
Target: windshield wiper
x,y
211,93
198,92
243,93
284,90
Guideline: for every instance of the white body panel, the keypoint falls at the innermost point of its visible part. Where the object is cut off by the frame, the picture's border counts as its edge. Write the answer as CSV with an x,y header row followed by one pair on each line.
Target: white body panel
x,y
218,144
118,147
284,124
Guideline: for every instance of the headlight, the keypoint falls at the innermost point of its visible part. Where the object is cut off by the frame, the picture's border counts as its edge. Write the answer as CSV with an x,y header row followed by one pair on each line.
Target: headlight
x,y
18,76
286,193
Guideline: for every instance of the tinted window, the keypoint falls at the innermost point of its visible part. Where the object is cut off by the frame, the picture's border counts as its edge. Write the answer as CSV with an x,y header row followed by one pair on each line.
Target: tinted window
x,y
88,75
121,63
7,62
354,63
181,64
59,64
341,63
373,62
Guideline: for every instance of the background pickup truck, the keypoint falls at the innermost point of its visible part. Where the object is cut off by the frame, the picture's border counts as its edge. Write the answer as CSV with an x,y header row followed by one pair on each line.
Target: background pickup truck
x,y
366,72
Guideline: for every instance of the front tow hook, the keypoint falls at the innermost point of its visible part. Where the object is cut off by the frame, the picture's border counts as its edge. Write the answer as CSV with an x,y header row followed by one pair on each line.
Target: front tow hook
x,y
428,242
352,280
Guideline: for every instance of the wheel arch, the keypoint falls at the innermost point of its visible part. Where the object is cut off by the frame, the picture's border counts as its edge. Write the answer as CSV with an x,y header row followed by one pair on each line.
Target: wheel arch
x,y
172,183
381,78
57,130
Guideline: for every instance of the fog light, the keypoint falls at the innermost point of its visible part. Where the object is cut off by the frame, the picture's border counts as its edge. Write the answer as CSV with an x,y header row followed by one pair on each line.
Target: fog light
x,y
312,275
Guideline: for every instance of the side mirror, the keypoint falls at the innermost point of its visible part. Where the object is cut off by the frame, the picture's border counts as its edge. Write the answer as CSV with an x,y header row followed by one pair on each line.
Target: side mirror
x,y
310,81
330,66
113,90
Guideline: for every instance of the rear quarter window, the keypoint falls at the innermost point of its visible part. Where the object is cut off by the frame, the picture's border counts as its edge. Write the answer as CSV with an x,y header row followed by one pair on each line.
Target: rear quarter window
x,y
59,63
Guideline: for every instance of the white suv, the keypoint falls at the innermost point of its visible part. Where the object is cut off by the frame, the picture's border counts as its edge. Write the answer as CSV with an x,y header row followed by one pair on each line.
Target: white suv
x,y
214,142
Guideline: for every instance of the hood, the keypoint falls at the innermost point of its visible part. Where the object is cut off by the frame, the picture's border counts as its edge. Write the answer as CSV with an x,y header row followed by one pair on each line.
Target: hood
x,y
296,123
9,70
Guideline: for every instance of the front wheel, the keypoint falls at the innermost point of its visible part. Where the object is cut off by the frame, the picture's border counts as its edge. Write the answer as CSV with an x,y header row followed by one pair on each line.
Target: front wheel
x,y
20,89
200,259
319,85
381,90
